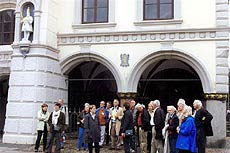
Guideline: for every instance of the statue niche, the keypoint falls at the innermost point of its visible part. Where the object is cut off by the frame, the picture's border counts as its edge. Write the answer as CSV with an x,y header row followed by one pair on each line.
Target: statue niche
x,y
27,24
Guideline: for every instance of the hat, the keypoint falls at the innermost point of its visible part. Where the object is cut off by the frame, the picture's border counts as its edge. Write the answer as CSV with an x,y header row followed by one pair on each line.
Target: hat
x,y
44,105
57,104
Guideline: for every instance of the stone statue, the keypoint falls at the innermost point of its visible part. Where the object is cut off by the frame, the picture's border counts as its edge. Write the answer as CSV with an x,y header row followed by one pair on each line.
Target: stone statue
x,y
27,25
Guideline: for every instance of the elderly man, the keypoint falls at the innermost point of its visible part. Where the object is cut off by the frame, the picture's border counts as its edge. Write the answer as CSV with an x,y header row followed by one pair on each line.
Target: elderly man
x,y
157,123
142,125
115,115
103,115
203,125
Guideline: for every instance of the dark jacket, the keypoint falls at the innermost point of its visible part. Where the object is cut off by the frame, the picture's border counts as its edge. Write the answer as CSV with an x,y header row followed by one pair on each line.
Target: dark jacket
x,y
145,119
159,121
126,121
81,117
173,124
60,123
92,129
203,120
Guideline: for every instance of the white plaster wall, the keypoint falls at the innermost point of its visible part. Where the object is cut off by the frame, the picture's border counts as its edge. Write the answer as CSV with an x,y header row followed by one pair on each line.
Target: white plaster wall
x,y
203,51
195,14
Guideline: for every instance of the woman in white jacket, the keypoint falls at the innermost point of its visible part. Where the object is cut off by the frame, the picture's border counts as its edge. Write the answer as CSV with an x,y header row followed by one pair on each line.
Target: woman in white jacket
x,y
43,116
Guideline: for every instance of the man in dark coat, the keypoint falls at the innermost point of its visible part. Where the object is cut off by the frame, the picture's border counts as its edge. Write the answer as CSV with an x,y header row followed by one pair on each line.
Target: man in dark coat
x,y
142,125
56,122
157,122
92,132
203,125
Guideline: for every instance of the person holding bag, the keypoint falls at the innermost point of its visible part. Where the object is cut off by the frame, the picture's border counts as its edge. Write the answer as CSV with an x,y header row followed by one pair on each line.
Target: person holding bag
x,y
127,127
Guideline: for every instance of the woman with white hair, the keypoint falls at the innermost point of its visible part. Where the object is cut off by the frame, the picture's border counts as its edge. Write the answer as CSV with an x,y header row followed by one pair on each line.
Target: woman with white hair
x,y
203,125
180,108
171,127
186,141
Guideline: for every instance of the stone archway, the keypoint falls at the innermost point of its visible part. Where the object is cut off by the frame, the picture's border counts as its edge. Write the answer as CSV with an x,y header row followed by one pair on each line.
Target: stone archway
x,y
177,54
70,62
4,85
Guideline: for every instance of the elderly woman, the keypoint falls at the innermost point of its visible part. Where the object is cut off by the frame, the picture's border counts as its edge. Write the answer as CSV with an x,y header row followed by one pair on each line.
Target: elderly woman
x,y
180,108
171,127
92,132
186,141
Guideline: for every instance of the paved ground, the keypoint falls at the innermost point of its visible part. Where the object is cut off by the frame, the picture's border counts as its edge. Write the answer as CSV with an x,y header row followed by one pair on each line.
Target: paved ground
x,y
71,148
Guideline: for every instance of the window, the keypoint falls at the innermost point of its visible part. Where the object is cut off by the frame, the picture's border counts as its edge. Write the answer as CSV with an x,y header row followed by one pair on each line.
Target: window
x,y
94,11
7,21
158,9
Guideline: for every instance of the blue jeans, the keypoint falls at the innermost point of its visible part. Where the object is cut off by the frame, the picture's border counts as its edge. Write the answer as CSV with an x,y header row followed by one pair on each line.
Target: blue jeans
x,y
172,144
80,139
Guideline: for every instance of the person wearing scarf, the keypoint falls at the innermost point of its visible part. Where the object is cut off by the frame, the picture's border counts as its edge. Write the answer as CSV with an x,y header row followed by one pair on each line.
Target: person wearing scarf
x,y
43,116
57,124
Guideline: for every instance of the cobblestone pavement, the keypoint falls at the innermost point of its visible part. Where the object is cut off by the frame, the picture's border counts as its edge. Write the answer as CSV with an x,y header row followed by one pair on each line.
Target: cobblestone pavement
x,y
70,147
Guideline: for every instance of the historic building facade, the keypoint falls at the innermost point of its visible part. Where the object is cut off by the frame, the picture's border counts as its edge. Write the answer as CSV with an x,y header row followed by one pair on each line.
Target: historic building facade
x,y
91,50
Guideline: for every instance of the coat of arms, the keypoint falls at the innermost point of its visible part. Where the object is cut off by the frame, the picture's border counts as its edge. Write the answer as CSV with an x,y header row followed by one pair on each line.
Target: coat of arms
x,y
124,60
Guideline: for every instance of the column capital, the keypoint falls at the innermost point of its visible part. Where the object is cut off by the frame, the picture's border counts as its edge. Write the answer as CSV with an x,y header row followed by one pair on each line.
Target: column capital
x,y
127,95
216,96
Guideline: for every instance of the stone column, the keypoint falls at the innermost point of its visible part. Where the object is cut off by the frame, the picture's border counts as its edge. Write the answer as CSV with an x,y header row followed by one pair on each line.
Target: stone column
x,y
126,97
17,33
216,105
33,80
37,15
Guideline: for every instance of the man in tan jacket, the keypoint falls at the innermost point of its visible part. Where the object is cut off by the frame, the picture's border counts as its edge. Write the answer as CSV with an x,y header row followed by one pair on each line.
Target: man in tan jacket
x,y
115,115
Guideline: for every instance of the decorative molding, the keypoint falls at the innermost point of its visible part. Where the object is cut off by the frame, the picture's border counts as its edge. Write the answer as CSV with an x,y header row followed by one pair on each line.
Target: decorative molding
x,y
38,46
158,22
127,95
93,25
207,34
216,96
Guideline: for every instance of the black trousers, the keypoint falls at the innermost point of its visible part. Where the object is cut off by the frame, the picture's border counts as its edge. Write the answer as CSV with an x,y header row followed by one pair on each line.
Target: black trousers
x,y
127,144
149,140
200,140
96,145
57,135
184,151
39,136
107,136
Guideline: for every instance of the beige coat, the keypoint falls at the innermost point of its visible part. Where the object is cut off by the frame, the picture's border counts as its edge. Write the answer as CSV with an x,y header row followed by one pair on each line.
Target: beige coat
x,y
42,119
118,121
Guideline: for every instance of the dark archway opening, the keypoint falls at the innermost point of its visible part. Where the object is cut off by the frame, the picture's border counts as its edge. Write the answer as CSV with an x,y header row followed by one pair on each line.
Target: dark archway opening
x,y
4,85
90,82
169,80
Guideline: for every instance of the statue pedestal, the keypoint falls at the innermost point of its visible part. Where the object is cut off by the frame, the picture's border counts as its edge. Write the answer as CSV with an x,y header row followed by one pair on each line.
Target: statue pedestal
x,y
24,46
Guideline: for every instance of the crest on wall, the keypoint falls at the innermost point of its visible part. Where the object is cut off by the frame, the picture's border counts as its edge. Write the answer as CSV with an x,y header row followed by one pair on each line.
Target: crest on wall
x,y
124,60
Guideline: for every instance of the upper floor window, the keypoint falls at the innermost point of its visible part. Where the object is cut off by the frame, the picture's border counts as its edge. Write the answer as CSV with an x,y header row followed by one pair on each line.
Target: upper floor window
x,y
7,21
95,11
158,9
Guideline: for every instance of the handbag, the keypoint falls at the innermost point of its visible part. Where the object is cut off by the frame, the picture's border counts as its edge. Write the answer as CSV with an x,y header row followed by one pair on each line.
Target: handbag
x,y
128,132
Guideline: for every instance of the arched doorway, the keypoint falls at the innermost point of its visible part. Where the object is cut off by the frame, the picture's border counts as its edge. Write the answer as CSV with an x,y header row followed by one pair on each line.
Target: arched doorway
x,y
168,80
4,85
90,82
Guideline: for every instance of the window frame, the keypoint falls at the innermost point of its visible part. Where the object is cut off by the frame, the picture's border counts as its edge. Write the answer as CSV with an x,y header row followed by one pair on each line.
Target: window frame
x,y
95,13
158,11
12,26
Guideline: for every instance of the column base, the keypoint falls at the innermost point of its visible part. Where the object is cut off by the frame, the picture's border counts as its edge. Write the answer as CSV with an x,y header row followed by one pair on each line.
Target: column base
x,y
18,138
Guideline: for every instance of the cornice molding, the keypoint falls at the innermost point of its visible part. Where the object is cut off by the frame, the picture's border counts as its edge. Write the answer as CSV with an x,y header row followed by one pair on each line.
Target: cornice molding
x,y
175,35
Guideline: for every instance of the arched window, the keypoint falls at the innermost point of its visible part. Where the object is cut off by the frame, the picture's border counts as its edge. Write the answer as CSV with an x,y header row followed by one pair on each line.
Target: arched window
x,y
7,21
158,9
95,11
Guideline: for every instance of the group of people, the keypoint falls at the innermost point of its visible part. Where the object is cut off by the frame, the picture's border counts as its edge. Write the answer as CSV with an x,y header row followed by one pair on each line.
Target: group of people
x,y
55,123
179,131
